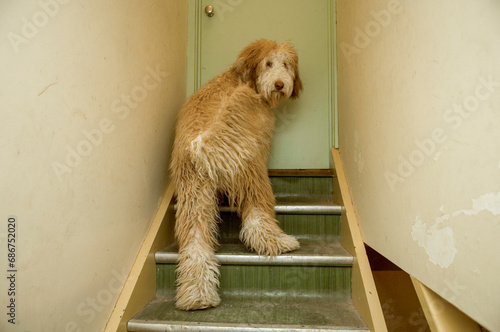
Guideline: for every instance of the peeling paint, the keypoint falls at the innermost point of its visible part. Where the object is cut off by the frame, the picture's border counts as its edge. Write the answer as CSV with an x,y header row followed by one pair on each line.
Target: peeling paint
x,y
437,155
438,242
489,202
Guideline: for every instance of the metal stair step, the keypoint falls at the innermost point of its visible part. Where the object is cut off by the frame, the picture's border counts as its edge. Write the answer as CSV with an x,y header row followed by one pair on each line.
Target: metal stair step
x,y
295,208
311,253
249,313
316,269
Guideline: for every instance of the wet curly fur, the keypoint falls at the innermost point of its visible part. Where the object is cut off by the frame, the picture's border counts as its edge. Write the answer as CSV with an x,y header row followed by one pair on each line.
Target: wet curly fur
x,y
223,138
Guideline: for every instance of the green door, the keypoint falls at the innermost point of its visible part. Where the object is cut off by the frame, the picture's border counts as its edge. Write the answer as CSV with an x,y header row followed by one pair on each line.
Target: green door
x,y
305,128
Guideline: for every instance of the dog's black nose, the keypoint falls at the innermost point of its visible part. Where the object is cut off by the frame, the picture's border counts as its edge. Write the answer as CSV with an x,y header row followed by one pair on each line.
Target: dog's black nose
x,y
278,85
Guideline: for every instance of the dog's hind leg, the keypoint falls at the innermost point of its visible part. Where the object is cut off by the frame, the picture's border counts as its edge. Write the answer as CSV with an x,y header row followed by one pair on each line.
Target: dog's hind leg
x,y
260,231
196,232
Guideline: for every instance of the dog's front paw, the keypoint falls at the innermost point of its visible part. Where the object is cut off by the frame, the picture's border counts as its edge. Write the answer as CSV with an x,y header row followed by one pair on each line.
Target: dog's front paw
x,y
194,298
286,243
268,242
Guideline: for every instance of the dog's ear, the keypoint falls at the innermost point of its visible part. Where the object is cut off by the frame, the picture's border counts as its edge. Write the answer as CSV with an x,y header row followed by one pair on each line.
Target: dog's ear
x,y
297,85
294,62
249,59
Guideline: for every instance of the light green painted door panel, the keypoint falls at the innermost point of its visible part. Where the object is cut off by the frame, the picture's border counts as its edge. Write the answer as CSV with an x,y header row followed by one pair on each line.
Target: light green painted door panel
x,y
305,128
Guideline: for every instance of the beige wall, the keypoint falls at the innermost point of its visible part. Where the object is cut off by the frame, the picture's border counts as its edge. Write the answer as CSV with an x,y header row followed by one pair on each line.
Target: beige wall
x,y
419,112
89,92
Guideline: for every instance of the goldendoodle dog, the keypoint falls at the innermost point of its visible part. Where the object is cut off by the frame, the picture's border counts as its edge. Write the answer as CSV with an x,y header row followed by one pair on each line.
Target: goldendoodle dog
x,y
222,142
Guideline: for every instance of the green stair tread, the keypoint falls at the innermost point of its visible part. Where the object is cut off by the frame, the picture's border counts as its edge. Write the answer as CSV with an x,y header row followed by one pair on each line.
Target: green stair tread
x,y
292,281
323,227
311,252
302,188
237,313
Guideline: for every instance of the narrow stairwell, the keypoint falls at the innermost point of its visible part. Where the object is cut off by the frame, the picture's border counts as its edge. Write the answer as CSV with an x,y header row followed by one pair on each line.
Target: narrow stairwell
x,y
306,290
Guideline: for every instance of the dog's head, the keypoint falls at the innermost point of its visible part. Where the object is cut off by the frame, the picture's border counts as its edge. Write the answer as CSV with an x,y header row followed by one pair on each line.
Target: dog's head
x,y
271,70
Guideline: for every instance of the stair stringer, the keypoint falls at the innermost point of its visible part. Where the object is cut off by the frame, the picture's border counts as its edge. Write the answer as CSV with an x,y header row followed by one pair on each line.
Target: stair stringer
x,y
140,286
364,292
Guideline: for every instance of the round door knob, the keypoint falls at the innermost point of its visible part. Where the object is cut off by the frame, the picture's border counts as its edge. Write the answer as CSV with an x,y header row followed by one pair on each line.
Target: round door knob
x,y
209,10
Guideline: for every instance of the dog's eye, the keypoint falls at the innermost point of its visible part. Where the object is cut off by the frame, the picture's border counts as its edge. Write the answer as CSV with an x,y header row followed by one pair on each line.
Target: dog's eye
x,y
285,65
269,64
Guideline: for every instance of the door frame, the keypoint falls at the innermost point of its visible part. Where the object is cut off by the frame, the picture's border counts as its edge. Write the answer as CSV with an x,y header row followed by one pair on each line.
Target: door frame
x,y
195,12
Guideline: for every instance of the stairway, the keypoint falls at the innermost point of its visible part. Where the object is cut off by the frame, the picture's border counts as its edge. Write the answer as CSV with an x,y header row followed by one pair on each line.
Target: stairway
x,y
306,290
